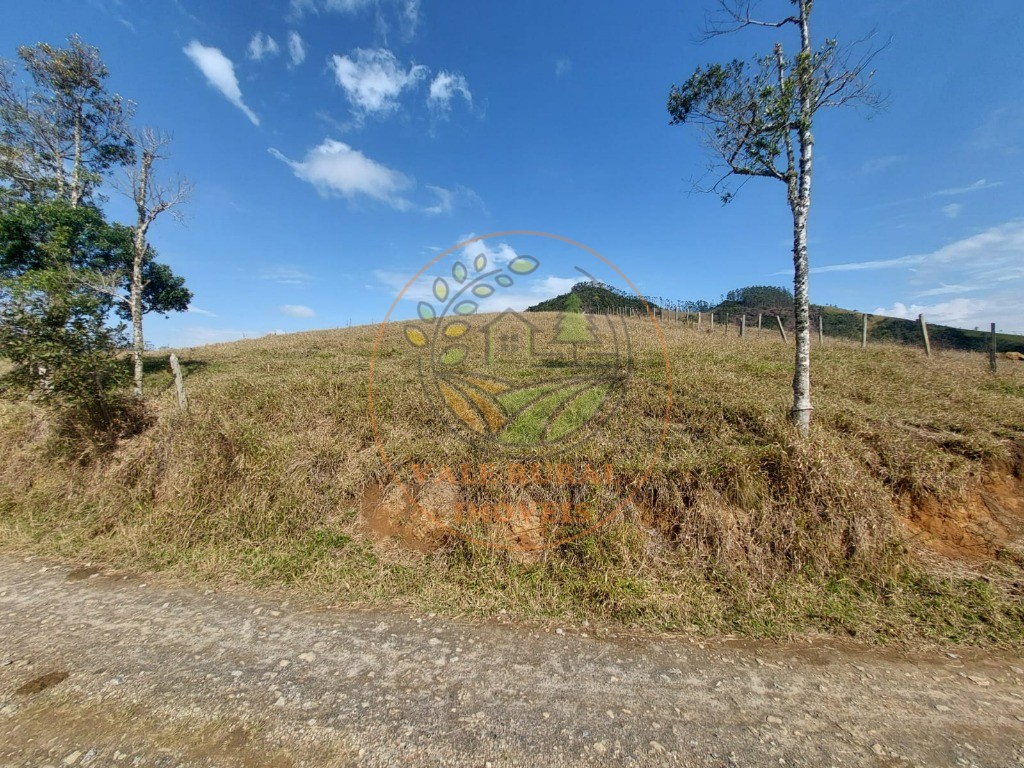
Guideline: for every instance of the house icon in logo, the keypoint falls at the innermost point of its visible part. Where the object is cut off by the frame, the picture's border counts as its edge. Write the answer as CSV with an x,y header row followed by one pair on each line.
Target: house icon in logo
x,y
509,337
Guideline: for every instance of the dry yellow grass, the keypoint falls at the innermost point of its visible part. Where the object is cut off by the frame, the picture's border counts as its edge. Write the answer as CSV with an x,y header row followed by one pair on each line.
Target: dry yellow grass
x,y
737,527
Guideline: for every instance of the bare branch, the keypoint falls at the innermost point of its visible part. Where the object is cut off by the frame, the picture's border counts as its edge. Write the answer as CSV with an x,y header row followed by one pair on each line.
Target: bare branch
x,y
105,284
733,15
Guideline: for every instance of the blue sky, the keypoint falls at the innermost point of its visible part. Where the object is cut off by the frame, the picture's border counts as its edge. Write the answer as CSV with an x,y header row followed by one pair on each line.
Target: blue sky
x,y
336,146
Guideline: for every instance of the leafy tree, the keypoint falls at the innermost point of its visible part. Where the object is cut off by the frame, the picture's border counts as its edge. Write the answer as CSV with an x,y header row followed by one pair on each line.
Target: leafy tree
x,y
63,136
758,118
53,235
58,139
760,296
53,325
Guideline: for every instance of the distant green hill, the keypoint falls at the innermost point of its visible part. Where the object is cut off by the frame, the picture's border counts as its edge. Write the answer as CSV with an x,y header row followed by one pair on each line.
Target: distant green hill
x,y
595,298
771,301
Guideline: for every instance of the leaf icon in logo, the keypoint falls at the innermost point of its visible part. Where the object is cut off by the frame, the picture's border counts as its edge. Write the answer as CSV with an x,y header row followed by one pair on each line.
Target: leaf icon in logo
x,y
453,355
440,289
503,280
459,272
456,329
426,311
465,308
483,290
480,262
523,265
415,336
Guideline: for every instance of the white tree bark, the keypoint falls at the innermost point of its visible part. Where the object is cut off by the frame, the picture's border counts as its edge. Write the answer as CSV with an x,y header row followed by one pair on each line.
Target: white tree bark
x,y
801,412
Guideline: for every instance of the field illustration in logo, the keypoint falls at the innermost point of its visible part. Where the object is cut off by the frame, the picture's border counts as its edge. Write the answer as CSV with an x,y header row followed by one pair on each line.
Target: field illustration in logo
x,y
521,382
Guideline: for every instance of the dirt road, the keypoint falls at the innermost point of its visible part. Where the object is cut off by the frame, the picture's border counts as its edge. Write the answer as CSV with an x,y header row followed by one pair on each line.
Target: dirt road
x,y
113,670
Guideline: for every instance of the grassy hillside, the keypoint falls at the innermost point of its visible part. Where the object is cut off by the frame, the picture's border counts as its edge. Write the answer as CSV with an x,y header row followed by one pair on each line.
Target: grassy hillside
x,y
898,519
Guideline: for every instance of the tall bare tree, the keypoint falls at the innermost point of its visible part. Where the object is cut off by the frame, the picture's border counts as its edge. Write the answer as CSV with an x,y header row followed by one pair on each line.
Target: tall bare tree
x,y
151,200
757,120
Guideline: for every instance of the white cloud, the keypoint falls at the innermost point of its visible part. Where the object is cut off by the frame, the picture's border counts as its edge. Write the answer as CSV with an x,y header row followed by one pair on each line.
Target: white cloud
x,y
563,67
261,46
977,186
857,266
219,73
286,276
952,210
297,310
998,247
296,48
198,311
988,265
958,312
405,14
444,200
335,168
410,17
374,79
945,290
444,87
1002,131
300,7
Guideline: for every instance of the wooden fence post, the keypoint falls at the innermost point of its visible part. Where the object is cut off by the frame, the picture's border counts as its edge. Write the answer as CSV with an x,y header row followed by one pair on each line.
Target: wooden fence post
x,y
698,321
758,325
864,334
743,326
179,382
782,330
821,331
992,350
924,333
712,314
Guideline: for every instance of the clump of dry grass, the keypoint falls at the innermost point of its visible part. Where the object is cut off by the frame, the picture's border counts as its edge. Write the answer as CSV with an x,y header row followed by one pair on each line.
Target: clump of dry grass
x,y
736,525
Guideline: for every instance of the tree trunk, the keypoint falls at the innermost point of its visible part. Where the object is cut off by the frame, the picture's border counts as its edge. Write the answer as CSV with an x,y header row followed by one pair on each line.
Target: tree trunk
x,y
801,412
142,223
76,179
138,342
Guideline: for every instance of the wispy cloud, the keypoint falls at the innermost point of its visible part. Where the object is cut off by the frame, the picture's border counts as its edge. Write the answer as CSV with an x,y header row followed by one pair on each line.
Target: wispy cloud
x,y
952,210
261,46
858,266
957,312
405,15
335,168
198,311
563,67
296,48
946,290
297,310
977,186
373,79
444,200
446,86
996,247
286,276
1002,131
219,72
